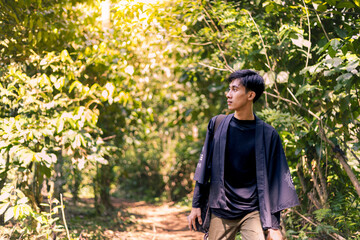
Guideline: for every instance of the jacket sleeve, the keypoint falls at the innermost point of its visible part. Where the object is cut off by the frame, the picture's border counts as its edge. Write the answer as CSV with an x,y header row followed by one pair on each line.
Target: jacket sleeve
x,y
199,195
275,220
282,190
202,172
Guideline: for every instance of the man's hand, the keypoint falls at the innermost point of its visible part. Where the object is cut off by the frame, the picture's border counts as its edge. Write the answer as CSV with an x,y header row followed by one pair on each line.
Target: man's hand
x,y
195,214
274,234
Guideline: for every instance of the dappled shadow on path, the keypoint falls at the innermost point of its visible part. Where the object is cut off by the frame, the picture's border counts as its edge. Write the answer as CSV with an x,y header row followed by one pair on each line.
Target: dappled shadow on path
x,y
165,221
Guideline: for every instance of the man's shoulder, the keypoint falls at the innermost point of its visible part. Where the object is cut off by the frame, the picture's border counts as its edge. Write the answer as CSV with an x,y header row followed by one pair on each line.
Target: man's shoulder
x,y
215,121
219,117
268,129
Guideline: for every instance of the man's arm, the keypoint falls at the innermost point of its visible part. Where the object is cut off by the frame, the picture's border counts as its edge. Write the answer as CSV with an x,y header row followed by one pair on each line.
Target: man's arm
x,y
201,190
195,213
274,232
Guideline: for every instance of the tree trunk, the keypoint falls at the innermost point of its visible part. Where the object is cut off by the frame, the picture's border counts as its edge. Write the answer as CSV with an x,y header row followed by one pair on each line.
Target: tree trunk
x,y
3,175
76,185
105,181
96,184
59,180
36,185
339,154
316,183
349,172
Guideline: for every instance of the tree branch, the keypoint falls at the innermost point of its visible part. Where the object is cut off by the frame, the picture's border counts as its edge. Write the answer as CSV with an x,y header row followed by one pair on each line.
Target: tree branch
x,y
212,21
316,184
262,41
211,67
333,235
357,158
218,45
308,52
338,152
109,137
201,44
294,103
223,56
322,26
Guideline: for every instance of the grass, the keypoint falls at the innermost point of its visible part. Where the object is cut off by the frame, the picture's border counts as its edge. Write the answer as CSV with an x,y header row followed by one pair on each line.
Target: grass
x,y
84,222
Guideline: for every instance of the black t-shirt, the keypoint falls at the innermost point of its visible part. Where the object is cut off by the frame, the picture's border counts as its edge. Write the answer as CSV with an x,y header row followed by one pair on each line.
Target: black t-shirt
x,y
240,170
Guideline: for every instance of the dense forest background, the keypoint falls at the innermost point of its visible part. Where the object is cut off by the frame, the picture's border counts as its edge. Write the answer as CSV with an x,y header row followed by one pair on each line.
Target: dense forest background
x,y
104,99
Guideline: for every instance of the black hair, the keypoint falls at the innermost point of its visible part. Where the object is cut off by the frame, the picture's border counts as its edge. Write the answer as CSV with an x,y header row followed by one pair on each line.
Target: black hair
x,y
250,80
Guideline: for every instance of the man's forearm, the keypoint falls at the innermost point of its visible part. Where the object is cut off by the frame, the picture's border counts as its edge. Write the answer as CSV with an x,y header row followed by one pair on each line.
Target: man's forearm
x,y
275,219
198,197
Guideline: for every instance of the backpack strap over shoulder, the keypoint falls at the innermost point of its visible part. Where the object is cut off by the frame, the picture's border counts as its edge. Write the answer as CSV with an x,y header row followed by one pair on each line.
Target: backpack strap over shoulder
x,y
218,120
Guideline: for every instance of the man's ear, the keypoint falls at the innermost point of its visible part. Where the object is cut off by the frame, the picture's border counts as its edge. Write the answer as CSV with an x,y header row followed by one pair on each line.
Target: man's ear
x,y
251,95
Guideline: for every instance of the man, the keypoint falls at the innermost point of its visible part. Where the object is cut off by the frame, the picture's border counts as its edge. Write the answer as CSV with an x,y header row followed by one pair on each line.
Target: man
x,y
250,182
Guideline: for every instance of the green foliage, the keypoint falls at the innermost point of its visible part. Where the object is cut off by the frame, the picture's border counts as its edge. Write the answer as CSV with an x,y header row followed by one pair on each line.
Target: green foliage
x,y
15,206
181,172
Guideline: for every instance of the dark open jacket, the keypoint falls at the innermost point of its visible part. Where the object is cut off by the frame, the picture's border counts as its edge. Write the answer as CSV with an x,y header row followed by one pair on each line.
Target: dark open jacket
x,y
276,190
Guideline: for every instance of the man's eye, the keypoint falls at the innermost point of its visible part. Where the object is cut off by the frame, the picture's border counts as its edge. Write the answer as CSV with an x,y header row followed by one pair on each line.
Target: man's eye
x,y
233,89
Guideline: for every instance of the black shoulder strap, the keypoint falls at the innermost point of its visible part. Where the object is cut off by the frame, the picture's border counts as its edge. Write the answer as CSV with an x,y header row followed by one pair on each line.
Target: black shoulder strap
x,y
218,120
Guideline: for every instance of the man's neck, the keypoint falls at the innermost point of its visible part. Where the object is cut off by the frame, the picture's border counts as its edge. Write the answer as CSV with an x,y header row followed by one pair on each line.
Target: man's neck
x,y
245,115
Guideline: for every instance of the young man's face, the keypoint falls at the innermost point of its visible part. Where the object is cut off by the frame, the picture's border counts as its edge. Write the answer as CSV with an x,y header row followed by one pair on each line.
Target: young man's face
x,y
237,97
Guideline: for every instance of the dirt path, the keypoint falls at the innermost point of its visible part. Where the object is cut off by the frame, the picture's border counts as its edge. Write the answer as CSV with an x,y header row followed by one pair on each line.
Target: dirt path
x,y
156,222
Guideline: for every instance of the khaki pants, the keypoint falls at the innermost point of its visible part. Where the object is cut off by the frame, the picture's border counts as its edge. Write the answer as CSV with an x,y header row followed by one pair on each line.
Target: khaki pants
x,y
224,229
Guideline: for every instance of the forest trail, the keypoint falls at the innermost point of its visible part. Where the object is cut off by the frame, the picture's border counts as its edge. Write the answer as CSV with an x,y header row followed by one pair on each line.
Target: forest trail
x,y
155,222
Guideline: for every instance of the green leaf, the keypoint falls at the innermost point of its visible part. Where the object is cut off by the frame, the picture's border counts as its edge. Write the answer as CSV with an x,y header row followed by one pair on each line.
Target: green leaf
x,y
16,212
352,66
9,214
64,56
59,125
45,170
77,142
335,62
76,84
306,88
322,7
331,2
3,207
335,44
269,8
4,196
282,77
22,200
341,32
331,52
329,73
269,78
300,41
323,48
344,77
60,83
345,4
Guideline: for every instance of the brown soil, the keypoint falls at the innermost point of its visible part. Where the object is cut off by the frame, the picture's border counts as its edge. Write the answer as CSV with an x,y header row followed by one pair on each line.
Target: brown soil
x,y
161,222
